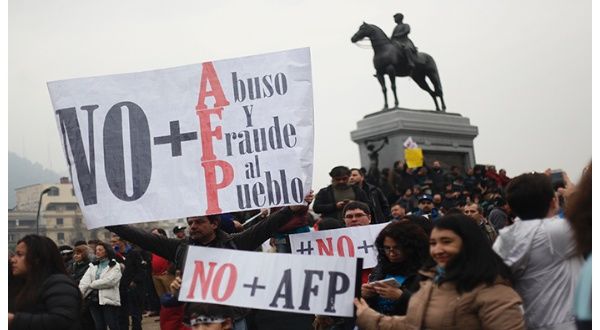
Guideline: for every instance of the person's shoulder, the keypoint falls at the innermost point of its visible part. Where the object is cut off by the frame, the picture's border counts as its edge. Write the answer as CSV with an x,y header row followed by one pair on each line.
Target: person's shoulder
x,y
325,189
500,290
59,281
556,222
58,277
525,224
557,226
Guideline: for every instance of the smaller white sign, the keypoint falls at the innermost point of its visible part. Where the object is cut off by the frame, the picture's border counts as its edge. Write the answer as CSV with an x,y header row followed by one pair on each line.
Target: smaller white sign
x,y
272,281
409,143
356,242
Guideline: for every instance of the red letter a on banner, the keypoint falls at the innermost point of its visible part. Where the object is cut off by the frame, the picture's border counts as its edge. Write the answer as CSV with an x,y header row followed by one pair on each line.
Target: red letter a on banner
x,y
210,76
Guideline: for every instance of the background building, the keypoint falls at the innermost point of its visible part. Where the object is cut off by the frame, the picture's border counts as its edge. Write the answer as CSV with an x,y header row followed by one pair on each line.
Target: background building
x,y
60,216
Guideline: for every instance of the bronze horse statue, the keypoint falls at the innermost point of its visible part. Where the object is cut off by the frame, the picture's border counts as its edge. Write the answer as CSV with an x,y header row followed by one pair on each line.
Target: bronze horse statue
x,y
389,59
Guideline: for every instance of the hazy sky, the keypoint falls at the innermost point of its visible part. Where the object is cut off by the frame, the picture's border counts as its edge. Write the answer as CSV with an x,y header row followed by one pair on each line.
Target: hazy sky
x,y
520,70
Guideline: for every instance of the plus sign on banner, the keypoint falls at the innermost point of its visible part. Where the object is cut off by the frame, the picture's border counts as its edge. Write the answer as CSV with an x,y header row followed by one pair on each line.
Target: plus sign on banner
x,y
200,139
272,281
356,242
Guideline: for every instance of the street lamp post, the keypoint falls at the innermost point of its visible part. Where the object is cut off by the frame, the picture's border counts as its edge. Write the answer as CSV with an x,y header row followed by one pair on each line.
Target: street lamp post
x,y
37,218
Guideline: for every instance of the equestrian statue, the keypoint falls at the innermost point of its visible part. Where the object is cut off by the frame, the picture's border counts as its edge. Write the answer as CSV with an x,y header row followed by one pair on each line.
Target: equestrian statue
x,y
398,57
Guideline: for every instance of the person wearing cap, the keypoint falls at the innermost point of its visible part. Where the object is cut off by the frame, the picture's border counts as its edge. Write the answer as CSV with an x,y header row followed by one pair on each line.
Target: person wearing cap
x,y
330,201
401,39
66,252
179,232
426,207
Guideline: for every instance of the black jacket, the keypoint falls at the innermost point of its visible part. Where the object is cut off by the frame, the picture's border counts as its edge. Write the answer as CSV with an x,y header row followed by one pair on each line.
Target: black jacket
x,y
135,269
325,201
58,306
77,270
174,250
380,208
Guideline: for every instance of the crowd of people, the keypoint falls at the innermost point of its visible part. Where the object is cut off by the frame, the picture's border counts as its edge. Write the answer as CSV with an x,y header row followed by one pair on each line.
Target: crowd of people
x,y
470,249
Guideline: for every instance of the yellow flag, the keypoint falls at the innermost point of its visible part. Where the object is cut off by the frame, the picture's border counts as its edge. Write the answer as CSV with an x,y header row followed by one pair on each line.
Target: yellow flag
x,y
413,157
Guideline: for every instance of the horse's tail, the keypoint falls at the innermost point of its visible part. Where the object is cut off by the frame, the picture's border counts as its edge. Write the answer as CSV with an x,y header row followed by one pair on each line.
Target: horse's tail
x,y
432,73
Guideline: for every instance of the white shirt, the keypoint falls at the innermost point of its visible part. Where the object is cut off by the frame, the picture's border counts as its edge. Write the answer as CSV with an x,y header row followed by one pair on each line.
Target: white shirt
x,y
543,258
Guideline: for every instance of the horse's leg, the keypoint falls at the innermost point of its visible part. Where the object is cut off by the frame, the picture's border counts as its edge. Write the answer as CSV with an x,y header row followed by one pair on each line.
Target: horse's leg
x,y
420,80
437,85
392,75
381,80
443,103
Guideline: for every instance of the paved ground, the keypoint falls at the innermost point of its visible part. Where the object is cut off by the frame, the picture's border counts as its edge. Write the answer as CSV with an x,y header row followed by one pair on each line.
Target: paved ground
x,y
150,323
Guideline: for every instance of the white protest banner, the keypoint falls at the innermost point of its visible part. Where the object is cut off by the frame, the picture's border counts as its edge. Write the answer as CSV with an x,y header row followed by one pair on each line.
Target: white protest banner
x,y
273,281
200,139
356,242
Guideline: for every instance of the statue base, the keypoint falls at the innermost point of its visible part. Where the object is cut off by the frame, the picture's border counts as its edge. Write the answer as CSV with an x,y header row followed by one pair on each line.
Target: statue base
x,y
443,136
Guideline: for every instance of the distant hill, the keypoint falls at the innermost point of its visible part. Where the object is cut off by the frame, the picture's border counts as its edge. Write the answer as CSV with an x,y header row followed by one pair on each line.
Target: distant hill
x,y
22,172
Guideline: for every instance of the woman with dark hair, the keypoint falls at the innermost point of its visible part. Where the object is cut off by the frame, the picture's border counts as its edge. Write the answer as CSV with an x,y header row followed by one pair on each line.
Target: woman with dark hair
x,y
100,287
468,287
47,298
402,250
579,214
420,221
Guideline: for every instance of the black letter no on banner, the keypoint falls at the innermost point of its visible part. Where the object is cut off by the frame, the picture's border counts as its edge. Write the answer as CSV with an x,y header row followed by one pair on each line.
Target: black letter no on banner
x,y
114,156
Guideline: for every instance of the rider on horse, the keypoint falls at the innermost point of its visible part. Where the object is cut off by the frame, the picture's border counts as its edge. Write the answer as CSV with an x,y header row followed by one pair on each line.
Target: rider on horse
x,y
401,40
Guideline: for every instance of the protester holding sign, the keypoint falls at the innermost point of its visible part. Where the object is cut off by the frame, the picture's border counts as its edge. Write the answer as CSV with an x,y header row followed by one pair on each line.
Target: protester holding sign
x,y
203,231
469,283
402,251
207,138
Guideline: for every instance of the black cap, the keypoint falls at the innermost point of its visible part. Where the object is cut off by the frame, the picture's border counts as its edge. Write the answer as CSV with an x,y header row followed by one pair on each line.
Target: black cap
x,y
339,171
177,229
425,197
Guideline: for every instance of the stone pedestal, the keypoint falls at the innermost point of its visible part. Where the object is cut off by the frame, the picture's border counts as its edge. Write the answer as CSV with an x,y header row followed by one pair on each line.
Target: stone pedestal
x,y
447,137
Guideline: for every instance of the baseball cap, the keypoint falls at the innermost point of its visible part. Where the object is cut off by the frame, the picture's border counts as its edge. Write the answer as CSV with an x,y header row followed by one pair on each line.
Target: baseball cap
x,y
425,197
177,229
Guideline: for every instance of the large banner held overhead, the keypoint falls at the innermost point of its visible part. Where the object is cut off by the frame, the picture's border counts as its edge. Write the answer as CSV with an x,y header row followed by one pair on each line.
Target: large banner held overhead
x,y
356,242
272,281
208,138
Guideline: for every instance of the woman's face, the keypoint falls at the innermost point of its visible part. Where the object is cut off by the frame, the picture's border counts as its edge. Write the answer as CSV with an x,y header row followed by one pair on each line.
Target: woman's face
x,y
100,252
392,251
19,266
444,245
77,256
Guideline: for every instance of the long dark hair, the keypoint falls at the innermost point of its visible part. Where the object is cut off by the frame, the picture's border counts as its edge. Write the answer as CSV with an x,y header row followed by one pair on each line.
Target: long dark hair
x,y
411,239
579,212
476,263
42,260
